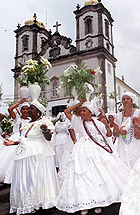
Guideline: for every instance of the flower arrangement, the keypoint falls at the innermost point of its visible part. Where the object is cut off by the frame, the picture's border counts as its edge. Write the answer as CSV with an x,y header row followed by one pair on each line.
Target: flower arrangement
x,y
34,72
79,80
7,124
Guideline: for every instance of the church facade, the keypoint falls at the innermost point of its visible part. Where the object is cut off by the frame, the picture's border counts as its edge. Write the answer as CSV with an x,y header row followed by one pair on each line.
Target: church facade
x,y
94,45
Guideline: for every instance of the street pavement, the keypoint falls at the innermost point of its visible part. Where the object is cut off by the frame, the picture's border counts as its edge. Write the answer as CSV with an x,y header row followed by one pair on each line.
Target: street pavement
x,y
4,206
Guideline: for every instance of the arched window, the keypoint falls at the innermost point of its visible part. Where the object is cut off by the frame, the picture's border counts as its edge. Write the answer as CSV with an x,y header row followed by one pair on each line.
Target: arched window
x,y
88,25
54,81
25,43
106,28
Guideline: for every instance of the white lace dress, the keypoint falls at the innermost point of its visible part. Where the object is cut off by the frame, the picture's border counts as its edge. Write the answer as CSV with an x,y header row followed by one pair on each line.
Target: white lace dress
x,y
34,182
94,177
130,152
131,195
7,152
61,140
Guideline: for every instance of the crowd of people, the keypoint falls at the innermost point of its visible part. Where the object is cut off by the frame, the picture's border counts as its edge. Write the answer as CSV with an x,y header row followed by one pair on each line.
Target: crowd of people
x,y
84,161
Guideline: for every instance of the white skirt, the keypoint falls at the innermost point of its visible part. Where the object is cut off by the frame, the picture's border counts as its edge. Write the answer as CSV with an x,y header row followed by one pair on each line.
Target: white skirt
x,y
131,195
34,184
94,178
7,154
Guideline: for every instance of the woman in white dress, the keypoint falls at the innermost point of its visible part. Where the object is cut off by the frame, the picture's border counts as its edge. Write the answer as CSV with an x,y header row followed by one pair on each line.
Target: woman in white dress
x,y
95,176
112,124
128,145
19,114
34,182
62,138
131,196
20,118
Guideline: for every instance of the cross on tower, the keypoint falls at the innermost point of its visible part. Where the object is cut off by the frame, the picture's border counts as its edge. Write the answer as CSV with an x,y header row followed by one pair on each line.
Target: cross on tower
x,y
56,26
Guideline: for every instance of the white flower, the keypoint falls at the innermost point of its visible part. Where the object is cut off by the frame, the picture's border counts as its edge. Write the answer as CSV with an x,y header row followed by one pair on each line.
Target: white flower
x,y
73,66
99,85
66,73
32,62
98,70
46,63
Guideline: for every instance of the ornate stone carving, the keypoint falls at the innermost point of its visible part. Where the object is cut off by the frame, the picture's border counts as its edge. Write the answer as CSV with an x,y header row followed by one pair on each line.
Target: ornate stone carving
x,y
54,52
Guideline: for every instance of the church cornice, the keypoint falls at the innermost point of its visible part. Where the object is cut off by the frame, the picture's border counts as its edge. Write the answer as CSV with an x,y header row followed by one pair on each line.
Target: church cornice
x,y
31,28
95,52
94,36
94,8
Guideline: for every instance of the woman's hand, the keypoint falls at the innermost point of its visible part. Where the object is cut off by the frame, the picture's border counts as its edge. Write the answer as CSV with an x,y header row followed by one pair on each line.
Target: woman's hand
x,y
136,124
123,131
8,142
22,101
46,132
43,127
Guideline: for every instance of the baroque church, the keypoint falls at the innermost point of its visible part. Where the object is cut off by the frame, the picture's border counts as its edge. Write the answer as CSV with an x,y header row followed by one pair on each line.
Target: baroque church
x,y
93,45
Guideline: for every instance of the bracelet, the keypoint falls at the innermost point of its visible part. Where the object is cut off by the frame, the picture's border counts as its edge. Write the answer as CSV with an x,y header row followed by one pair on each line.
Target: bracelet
x,y
45,130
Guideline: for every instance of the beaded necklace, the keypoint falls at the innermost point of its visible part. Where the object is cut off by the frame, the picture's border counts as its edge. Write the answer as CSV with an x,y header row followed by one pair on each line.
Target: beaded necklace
x,y
26,134
131,130
106,145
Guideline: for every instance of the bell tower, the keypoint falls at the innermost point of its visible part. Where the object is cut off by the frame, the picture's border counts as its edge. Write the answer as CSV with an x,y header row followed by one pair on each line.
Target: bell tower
x,y
94,38
93,27
29,39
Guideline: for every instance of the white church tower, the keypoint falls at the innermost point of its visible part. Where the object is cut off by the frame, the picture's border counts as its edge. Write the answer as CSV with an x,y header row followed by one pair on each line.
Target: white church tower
x,y
94,42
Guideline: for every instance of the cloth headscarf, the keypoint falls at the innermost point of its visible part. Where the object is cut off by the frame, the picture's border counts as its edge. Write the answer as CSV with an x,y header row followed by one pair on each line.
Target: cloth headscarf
x,y
73,102
89,106
61,115
24,104
39,106
110,114
131,95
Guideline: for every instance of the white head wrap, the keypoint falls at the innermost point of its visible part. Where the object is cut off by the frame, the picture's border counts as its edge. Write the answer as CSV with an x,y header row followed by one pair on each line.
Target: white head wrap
x,y
61,115
24,104
73,102
39,106
110,114
89,106
131,95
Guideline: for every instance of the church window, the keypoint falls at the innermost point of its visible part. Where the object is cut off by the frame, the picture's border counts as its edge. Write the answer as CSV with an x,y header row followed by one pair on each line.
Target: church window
x,y
54,87
57,109
25,43
106,28
88,25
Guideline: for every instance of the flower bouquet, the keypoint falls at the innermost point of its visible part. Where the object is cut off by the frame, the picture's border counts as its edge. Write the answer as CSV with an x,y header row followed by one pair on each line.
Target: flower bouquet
x,y
33,75
7,124
79,82
34,72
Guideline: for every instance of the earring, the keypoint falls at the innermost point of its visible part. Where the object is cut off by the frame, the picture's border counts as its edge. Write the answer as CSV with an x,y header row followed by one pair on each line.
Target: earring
x,y
38,114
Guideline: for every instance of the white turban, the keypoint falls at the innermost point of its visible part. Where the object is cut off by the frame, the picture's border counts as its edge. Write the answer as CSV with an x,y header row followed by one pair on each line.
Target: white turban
x,y
24,104
39,106
89,106
61,115
131,95
73,102
110,114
